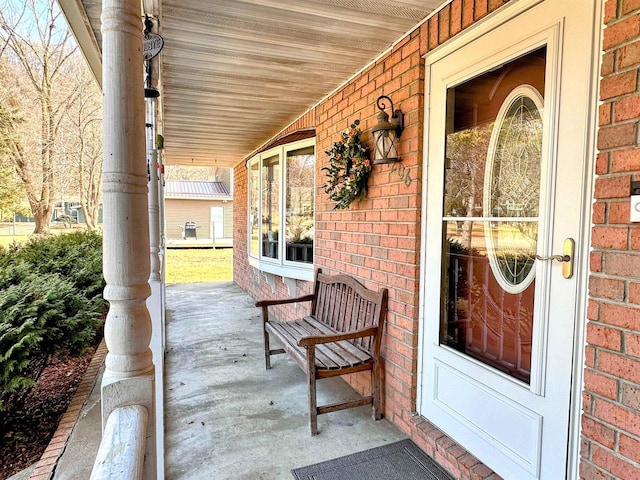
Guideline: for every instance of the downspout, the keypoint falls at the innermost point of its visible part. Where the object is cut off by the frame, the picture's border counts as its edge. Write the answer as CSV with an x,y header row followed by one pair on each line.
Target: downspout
x,y
151,95
155,302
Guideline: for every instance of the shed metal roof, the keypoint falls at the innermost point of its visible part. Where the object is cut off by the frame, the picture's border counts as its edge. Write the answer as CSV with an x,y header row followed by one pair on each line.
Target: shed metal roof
x,y
196,190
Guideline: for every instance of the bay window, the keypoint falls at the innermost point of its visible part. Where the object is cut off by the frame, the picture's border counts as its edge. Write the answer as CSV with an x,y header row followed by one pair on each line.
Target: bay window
x,y
270,206
254,198
281,210
299,207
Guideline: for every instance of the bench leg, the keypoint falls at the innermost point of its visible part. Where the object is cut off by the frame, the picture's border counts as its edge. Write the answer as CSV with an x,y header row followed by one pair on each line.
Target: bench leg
x,y
311,380
376,391
267,355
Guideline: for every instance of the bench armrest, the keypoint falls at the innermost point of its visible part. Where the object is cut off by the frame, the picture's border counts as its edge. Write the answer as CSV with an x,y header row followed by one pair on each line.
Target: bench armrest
x,y
267,303
318,339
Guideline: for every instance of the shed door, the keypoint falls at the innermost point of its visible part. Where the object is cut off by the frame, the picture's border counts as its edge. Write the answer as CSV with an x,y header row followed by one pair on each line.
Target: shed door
x,y
507,152
217,222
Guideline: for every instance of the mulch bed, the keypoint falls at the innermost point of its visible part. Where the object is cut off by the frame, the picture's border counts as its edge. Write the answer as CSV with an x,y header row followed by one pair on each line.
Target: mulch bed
x,y
26,430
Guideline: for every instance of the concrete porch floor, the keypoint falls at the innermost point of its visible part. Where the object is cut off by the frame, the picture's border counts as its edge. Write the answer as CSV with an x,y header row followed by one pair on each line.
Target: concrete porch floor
x,y
226,417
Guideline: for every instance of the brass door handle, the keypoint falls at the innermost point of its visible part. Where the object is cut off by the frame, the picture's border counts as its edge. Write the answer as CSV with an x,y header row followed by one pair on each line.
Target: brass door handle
x,y
560,258
567,257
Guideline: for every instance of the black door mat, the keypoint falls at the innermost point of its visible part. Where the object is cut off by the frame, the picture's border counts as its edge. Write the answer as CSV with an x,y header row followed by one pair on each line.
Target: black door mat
x,y
401,460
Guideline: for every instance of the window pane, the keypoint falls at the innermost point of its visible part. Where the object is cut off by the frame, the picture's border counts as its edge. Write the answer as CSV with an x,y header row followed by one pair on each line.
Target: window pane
x,y
270,206
490,217
254,203
300,231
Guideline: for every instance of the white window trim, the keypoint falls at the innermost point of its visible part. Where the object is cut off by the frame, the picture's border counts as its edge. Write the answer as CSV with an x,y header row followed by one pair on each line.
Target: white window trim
x,y
277,266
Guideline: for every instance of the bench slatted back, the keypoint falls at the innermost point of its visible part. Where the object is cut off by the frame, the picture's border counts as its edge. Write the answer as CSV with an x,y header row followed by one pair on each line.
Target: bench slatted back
x,y
344,304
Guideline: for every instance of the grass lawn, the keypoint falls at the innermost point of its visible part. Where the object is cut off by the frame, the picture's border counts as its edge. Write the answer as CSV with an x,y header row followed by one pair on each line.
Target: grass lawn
x,y
196,265
24,231
184,265
6,240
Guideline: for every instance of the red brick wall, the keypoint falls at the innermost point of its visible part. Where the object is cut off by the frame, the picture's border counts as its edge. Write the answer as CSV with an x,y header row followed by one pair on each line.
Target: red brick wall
x,y
242,271
377,240
611,399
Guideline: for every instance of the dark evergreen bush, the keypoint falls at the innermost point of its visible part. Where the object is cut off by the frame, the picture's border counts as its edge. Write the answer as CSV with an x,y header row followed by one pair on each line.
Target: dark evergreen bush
x,y
50,302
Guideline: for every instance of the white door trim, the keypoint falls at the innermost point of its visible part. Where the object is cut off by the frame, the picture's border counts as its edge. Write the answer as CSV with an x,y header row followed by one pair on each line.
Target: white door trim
x,y
573,462
474,32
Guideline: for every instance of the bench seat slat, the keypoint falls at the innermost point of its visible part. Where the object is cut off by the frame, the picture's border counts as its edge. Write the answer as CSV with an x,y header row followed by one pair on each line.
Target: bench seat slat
x,y
348,354
288,342
324,355
354,350
289,336
335,355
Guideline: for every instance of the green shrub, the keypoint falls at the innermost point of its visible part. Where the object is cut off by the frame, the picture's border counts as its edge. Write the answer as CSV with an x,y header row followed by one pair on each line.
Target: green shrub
x,y
63,254
13,274
50,301
75,256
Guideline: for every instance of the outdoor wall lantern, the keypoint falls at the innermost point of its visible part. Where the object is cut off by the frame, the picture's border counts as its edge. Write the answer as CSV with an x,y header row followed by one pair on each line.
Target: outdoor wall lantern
x,y
386,133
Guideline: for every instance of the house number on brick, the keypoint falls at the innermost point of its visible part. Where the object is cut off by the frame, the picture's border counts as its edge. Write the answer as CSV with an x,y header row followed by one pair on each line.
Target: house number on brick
x,y
403,173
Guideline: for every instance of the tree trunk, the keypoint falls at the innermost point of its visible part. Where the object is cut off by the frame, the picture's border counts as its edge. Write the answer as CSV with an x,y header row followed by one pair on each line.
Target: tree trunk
x,y
42,214
89,217
467,226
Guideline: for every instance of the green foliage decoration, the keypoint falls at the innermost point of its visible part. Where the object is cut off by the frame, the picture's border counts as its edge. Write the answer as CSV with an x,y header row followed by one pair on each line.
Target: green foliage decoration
x,y
349,168
50,303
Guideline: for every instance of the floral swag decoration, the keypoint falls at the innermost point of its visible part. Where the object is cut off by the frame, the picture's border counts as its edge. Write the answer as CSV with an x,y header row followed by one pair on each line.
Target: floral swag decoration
x,y
349,168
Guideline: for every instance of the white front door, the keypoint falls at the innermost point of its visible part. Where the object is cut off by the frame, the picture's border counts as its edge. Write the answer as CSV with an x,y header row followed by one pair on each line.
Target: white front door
x,y
506,167
217,222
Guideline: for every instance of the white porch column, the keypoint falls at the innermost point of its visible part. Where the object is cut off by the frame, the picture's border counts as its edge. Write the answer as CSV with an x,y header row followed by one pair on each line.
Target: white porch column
x,y
155,302
154,208
129,372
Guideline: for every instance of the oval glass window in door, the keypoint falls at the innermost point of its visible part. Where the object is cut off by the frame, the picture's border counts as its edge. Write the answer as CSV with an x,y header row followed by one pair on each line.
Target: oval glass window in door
x,y
512,189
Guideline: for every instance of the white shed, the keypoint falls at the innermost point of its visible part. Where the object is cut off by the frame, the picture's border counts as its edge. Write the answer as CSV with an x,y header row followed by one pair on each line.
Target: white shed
x,y
197,212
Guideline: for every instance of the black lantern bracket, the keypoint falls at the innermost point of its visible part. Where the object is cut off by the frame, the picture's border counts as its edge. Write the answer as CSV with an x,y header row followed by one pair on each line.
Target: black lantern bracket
x,y
397,117
386,132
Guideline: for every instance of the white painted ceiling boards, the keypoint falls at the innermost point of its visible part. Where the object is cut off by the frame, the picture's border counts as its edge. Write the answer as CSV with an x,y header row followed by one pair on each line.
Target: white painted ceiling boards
x,y
235,72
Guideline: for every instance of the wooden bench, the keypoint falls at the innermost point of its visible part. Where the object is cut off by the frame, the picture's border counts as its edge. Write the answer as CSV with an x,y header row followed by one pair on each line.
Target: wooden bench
x,y
341,335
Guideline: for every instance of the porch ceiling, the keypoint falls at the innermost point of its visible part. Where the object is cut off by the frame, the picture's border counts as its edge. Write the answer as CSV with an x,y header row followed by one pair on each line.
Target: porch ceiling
x,y
235,72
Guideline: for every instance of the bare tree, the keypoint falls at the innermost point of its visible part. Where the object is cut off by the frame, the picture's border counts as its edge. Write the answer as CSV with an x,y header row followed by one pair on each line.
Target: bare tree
x,y
181,172
10,192
82,145
466,156
38,41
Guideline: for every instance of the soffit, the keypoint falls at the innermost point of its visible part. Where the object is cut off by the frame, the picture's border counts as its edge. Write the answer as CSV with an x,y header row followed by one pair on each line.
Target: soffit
x,y
235,72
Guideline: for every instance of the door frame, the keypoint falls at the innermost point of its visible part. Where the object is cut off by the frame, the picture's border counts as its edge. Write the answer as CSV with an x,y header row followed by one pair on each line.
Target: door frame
x,y
475,31
212,229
